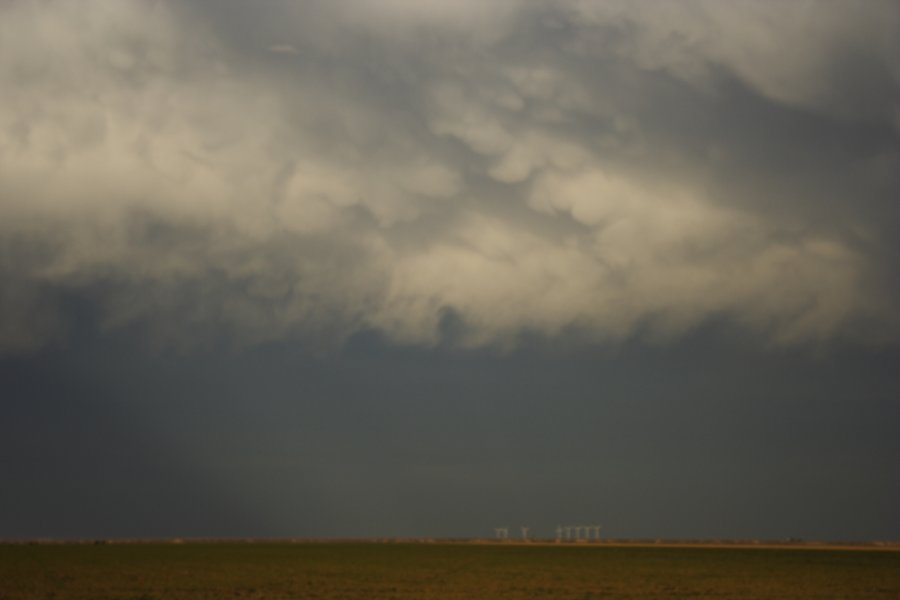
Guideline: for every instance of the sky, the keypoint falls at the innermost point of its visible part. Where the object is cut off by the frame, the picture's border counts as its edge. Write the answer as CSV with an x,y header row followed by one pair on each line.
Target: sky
x,y
427,268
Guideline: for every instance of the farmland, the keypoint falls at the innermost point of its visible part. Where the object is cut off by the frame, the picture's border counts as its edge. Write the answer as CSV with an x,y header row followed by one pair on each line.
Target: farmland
x,y
145,571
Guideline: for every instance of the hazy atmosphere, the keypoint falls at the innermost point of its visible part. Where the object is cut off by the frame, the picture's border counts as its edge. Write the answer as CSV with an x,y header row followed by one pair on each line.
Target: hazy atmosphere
x,y
428,268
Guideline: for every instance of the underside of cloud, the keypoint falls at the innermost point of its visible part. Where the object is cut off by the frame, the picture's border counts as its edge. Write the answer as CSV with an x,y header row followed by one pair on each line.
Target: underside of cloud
x,y
529,167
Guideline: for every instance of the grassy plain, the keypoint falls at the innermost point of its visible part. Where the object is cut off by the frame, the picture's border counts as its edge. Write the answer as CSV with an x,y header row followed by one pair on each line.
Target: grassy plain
x,y
145,571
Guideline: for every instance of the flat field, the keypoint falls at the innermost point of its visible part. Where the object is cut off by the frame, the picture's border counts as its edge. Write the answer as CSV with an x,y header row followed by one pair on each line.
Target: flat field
x,y
436,570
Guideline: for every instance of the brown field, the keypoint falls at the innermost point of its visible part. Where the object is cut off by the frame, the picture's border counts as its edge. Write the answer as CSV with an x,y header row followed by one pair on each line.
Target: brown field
x,y
407,570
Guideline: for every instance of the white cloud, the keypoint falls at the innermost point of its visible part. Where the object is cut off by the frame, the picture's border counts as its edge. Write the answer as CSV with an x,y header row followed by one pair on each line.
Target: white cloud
x,y
208,187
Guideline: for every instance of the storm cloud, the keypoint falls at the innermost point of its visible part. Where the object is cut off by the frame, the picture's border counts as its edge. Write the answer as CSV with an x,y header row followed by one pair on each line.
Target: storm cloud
x,y
448,171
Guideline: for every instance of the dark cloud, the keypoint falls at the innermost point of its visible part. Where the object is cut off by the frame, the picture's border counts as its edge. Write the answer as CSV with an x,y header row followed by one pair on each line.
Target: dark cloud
x,y
715,439
77,463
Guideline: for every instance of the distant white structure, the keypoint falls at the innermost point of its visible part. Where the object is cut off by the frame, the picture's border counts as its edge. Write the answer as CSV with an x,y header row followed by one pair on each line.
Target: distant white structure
x,y
577,532
569,533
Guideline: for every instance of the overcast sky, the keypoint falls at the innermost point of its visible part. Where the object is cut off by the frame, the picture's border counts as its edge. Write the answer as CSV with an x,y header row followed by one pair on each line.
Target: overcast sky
x,y
397,267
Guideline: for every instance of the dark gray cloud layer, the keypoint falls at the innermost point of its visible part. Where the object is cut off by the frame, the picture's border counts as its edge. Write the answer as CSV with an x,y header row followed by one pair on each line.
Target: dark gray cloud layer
x,y
282,170
716,439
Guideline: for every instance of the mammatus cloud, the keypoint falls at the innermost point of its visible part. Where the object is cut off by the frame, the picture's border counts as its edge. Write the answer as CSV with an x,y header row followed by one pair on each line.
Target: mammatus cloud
x,y
311,170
